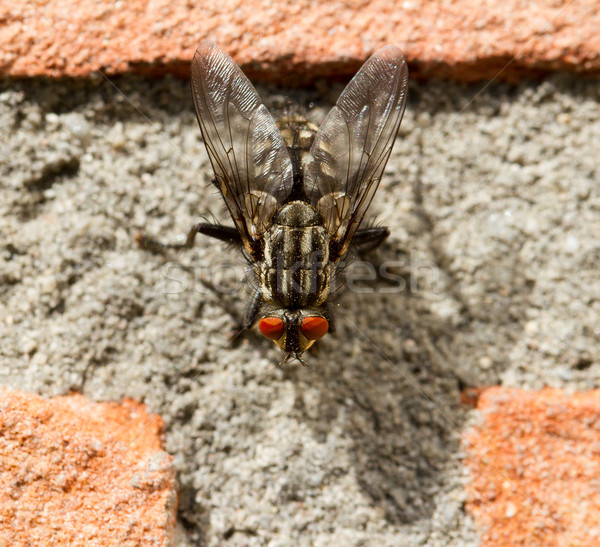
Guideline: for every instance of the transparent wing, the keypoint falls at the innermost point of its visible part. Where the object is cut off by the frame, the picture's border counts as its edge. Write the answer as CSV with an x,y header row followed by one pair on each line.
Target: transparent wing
x,y
252,166
353,145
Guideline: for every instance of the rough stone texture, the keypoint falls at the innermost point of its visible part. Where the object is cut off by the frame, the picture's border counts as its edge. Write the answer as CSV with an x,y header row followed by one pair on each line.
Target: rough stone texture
x,y
492,199
294,42
535,463
74,472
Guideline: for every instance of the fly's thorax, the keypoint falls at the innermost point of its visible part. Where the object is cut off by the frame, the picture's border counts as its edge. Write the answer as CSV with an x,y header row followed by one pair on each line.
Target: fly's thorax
x,y
297,214
295,271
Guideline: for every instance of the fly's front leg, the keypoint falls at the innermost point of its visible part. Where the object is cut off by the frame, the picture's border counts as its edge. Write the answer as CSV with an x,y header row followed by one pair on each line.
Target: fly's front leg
x,y
223,233
369,239
253,309
250,316
330,317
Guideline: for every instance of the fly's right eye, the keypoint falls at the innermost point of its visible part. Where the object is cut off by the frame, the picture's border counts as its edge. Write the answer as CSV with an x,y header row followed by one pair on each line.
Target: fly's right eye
x,y
271,327
314,328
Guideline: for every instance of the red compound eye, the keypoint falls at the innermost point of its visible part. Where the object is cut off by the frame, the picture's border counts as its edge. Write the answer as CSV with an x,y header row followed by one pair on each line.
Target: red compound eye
x,y
271,327
314,328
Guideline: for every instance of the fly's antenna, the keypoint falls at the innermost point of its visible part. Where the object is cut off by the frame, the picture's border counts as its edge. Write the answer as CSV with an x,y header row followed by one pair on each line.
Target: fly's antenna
x,y
304,363
284,361
297,356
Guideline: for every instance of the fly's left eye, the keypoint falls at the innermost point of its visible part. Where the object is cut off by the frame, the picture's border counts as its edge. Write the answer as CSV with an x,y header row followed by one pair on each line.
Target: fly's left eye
x,y
271,327
314,328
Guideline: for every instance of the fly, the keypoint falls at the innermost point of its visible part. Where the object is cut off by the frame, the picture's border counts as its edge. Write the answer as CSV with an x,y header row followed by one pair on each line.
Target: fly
x,y
297,194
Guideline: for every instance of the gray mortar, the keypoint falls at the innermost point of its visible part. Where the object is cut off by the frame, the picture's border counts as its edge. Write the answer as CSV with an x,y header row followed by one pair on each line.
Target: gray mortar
x,y
494,209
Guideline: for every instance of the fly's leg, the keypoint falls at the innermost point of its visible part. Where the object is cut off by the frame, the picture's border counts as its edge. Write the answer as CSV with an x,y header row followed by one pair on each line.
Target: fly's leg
x,y
330,317
223,233
218,231
253,309
368,239
249,317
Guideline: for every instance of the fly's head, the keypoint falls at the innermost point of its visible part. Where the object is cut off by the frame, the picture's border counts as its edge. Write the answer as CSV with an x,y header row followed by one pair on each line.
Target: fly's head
x,y
293,330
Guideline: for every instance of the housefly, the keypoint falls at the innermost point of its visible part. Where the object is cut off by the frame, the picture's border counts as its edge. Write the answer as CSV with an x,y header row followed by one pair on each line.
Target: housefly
x,y
296,193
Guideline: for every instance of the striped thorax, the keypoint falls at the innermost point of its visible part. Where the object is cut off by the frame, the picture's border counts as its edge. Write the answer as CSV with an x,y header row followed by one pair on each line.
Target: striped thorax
x,y
295,271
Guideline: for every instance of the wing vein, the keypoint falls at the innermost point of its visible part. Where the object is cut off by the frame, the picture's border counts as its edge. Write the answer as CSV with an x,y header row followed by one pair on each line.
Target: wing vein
x,y
251,163
354,143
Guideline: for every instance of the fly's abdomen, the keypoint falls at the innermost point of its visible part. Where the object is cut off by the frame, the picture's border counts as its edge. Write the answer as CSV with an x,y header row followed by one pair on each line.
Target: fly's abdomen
x,y
295,271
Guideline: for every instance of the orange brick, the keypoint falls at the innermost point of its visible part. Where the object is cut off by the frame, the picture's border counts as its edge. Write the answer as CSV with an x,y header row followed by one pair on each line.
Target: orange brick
x,y
291,42
73,472
535,468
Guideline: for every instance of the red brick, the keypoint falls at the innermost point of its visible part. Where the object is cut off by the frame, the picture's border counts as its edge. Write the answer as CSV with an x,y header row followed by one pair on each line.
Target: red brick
x,y
295,41
73,472
535,468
